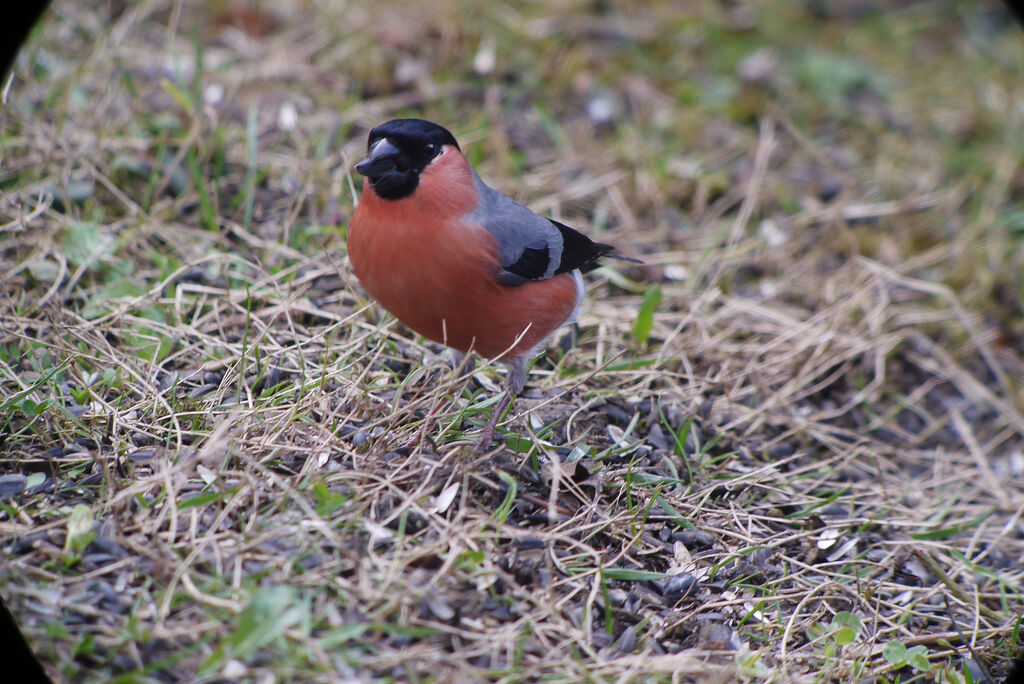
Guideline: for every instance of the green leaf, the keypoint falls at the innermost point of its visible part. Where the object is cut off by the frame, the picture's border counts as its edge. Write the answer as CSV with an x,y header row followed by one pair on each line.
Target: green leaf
x,y
134,678
101,300
895,652
207,213
845,635
519,444
80,530
204,498
339,636
470,560
815,631
630,575
634,364
917,658
832,77
1013,217
578,453
327,502
645,316
18,400
270,613
952,531
850,626
56,630
34,480
166,263
79,394
83,242
501,515
678,518
33,409
85,645
43,269
252,143
178,95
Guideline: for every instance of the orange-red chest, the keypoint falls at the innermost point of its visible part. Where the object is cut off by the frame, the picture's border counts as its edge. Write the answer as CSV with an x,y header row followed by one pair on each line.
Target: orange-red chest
x,y
436,272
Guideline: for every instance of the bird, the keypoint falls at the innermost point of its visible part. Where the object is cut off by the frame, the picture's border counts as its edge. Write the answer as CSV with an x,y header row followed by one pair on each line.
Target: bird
x,y
459,262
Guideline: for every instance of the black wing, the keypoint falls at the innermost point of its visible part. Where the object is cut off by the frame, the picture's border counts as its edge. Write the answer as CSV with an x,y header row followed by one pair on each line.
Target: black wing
x,y
578,252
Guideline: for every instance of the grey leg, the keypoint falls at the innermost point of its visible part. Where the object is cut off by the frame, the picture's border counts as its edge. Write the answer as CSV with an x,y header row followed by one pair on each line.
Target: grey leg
x,y
515,380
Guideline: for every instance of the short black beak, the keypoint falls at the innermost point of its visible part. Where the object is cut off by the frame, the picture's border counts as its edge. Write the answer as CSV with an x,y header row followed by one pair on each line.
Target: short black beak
x,y
382,158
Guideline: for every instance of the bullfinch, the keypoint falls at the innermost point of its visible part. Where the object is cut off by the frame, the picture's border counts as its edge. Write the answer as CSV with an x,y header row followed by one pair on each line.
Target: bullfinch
x,y
456,260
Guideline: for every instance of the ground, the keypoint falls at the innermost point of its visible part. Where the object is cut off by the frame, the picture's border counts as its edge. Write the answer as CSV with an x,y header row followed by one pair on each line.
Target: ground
x,y
788,447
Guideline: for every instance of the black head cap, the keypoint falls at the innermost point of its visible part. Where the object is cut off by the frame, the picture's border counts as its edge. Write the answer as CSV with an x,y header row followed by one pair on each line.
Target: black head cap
x,y
398,151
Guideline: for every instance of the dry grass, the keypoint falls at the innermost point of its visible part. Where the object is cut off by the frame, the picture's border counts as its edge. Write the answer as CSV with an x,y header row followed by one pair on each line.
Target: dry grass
x,y
811,468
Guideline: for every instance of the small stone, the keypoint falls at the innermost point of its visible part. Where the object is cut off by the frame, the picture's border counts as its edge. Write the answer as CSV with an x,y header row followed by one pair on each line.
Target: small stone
x,y
694,539
486,58
213,94
602,110
287,116
759,66
627,640
12,485
773,235
409,71
680,586
142,455
829,189
656,437
234,669
438,607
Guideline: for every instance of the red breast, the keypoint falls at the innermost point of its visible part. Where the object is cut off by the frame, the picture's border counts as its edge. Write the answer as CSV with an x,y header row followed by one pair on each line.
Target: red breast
x,y
436,272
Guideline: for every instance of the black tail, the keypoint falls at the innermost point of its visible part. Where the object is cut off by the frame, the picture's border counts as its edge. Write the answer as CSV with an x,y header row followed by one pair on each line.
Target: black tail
x,y
580,252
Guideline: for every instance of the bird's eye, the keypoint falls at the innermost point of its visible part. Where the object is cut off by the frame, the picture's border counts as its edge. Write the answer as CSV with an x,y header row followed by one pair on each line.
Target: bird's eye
x,y
429,150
